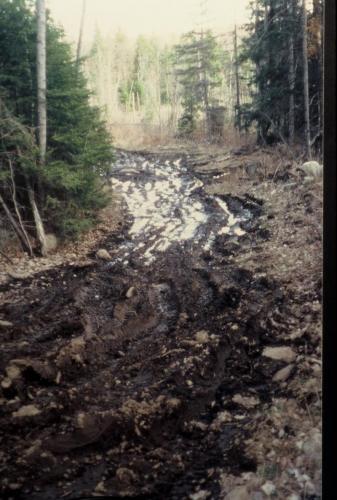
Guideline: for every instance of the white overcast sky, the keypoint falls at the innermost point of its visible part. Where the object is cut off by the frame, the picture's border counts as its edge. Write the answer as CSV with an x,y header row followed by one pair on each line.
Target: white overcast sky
x,y
157,17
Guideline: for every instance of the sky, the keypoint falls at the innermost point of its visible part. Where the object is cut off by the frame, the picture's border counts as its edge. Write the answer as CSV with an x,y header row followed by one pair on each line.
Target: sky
x,y
148,17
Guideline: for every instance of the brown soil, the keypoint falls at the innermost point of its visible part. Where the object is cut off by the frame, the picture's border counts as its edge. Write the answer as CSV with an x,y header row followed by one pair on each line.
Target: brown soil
x,y
149,381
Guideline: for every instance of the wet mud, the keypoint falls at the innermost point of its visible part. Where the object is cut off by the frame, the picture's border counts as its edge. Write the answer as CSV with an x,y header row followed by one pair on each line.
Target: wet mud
x,y
120,377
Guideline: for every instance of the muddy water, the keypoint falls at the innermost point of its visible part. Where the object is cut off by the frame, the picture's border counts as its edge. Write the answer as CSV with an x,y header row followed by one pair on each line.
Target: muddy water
x,y
168,206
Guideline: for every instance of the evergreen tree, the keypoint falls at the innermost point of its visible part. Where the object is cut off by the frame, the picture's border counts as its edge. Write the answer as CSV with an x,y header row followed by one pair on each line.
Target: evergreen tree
x,y
78,144
274,44
198,68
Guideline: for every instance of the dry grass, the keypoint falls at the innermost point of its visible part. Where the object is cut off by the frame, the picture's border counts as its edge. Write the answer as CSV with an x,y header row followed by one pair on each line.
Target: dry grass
x,y
144,135
139,135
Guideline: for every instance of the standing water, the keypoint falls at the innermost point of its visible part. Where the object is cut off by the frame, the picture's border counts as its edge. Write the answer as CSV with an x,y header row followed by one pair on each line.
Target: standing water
x,y
168,206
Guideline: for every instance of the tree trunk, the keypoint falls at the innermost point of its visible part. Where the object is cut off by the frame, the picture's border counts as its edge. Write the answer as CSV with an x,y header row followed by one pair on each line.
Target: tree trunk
x,y
291,77
41,78
258,68
42,112
237,82
37,221
306,81
80,37
318,12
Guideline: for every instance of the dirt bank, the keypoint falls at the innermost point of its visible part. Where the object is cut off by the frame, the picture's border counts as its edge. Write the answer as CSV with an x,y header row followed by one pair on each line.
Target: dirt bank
x,y
186,363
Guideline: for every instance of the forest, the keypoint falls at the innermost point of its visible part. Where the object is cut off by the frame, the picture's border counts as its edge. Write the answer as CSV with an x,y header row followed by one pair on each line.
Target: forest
x,y
160,256
266,82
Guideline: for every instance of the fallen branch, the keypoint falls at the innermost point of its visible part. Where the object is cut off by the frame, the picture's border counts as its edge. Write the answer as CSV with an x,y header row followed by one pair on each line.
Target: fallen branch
x,y
317,136
17,211
15,226
41,236
6,257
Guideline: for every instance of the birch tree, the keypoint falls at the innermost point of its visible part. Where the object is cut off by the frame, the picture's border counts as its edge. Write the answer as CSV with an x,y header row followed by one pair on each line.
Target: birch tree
x,y
80,36
237,82
42,114
41,78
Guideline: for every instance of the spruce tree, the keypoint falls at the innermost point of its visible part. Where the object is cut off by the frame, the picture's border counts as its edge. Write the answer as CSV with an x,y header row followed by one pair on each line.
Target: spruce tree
x,y
274,44
198,69
79,149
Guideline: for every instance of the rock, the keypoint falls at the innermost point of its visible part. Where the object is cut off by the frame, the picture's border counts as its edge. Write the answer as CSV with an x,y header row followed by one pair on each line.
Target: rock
x,y
125,475
297,334
197,425
131,292
86,421
100,488
103,254
183,317
238,493
58,377
42,369
33,449
14,486
283,374
73,351
200,495
5,324
312,169
268,488
311,386
173,403
18,276
312,446
202,337
222,418
6,383
26,411
308,179
279,353
13,372
246,401
51,242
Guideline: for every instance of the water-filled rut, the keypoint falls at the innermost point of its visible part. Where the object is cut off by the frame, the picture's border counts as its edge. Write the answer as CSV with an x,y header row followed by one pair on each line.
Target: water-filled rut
x,y
168,207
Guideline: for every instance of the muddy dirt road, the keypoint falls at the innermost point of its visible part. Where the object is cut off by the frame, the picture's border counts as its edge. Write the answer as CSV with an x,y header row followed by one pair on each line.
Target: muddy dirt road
x,y
137,376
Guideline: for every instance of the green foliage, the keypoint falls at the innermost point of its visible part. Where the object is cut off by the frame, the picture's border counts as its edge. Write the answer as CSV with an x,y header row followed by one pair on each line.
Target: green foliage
x,y
131,92
79,146
17,58
198,63
267,46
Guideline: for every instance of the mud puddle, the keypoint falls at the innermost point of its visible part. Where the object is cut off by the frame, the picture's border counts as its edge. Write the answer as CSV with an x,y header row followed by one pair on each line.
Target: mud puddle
x,y
140,377
168,206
